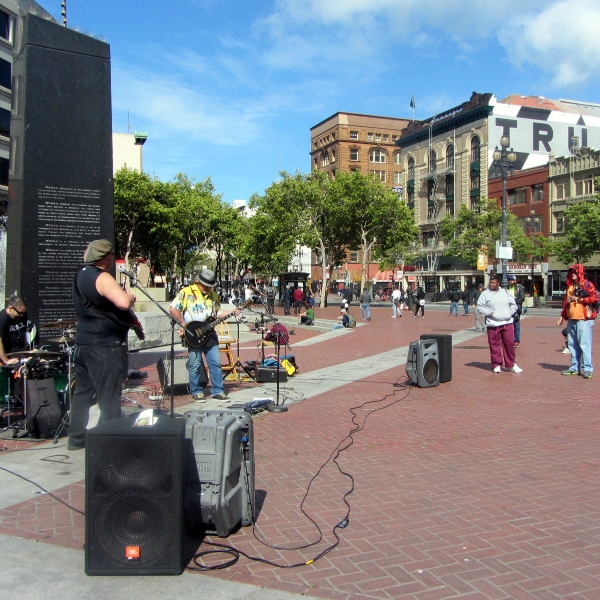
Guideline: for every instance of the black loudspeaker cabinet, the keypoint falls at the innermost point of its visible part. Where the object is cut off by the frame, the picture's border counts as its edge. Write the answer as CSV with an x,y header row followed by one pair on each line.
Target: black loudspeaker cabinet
x,y
44,413
134,498
163,366
269,374
219,471
444,354
422,364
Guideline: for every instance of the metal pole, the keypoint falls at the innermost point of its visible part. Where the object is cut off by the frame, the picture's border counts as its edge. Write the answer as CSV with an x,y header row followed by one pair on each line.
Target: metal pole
x,y
503,233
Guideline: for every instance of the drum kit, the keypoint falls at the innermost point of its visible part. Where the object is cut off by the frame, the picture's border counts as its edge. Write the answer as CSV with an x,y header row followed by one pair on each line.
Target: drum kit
x,y
39,363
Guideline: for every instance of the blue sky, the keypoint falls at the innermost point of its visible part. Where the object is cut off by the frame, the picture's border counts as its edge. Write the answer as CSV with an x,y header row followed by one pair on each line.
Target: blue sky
x,y
230,89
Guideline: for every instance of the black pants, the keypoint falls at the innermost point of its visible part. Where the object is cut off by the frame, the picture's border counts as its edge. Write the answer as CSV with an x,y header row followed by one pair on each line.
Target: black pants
x,y
99,374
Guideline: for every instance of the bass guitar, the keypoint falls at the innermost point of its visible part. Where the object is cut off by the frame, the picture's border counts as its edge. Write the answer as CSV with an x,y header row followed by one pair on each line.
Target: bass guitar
x,y
196,333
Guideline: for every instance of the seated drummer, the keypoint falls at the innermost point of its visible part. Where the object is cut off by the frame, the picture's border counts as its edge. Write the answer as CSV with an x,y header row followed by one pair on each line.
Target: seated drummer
x,y
13,329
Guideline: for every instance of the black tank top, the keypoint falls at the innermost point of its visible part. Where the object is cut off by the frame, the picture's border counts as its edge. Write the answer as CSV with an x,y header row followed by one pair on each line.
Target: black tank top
x,y
94,328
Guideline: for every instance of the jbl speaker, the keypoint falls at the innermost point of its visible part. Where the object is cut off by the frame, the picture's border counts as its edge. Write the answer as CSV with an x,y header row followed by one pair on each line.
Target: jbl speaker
x,y
134,498
219,471
422,364
163,366
445,354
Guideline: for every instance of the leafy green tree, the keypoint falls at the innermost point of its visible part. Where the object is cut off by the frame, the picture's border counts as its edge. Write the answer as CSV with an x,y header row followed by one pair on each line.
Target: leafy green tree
x,y
581,239
470,233
374,217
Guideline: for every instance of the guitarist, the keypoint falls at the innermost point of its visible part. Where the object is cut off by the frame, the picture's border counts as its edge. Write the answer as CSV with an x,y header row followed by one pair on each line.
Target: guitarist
x,y
198,302
100,356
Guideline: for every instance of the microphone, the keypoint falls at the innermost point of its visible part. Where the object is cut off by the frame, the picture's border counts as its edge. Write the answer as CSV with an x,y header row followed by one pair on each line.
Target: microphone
x,y
125,272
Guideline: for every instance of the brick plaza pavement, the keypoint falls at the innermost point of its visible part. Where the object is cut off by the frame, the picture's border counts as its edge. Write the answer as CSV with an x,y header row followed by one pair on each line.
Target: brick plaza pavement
x,y
485,487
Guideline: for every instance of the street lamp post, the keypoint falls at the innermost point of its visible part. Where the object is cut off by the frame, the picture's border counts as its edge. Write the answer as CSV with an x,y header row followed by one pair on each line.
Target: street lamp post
x,y
532,220
504,163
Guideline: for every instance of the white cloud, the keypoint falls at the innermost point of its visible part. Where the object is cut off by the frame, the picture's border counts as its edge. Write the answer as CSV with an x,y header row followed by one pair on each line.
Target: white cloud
x,y
561,40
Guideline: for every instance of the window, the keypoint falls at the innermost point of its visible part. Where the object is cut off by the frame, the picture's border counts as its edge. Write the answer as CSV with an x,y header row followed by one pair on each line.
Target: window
x,y
475,205
354,135
517,196
386,137
333,155
450,157
5,74
380,174
475,149
325,159
370,136
4,171
431,189
394,138
377,137
316,162
450,207
4,122
5,26
562,190
397,177
377,156
560,222
449,185
432,160
333,135
537,193
584,184
431,212
411,168
411,198
354,256
353,153
429,239
397,158
475,182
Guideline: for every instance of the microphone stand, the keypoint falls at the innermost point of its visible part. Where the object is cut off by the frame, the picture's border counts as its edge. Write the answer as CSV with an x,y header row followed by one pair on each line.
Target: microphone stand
x,y
136,284
277,408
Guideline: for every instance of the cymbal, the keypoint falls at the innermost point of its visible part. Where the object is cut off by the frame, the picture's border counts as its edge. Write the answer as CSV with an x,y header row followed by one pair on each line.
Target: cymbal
x,y
33,354
58,324
62,340
71,331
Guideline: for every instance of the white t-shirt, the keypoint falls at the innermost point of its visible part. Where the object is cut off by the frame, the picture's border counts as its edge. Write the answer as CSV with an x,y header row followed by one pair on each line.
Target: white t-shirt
x,y
396,296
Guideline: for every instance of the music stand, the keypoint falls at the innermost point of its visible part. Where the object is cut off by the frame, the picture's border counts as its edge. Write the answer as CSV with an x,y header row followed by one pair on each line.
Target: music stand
x,y
278,334
238,365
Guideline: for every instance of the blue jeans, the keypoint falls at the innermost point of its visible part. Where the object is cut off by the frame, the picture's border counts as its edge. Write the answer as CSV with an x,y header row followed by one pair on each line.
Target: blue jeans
x,y
517,332
579,336
366,310
99,373
466,307
454,306
213,360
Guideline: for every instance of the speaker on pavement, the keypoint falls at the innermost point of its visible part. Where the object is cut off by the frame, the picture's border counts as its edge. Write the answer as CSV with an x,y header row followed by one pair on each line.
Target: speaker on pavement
x,y
219,471
163,366
422,365
445,354
134,498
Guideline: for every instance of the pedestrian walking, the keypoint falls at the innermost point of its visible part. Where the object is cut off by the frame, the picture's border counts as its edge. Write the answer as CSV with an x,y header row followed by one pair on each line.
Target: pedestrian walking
x,y
499,309
420,302
396,303
479,318
454,298
466,298
518,291
580,309
365,301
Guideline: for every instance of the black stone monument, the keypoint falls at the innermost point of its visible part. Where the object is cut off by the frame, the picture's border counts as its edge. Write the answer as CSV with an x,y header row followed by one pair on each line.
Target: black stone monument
x,y
61,180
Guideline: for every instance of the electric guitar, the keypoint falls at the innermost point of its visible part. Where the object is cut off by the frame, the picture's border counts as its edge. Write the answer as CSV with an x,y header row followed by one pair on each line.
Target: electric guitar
x,y
135,324
196,333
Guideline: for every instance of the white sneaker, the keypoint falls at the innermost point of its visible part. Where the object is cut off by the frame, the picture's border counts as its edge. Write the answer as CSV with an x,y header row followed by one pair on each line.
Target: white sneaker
x,y
516,369
498,369
566,351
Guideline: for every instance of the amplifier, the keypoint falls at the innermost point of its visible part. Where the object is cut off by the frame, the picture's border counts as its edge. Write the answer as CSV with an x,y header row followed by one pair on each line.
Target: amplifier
x,y
269,374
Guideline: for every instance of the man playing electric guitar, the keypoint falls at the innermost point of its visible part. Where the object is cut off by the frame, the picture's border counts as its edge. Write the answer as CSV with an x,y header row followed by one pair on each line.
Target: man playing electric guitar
x,y
198,303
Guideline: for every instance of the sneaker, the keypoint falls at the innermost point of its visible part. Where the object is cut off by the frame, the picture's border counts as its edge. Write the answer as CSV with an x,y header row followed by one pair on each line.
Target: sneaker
x,y
199,398
569,372
565,351
73,447
220,397
498,369
393,316
587,374
516,369
517,344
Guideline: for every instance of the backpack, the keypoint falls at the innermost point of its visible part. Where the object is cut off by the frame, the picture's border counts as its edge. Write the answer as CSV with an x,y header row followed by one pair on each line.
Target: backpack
x,y
352,322
270,293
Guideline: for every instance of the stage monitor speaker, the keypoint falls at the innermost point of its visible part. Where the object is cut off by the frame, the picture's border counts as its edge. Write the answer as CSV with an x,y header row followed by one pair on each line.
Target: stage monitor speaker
x,y
444,354
134,498
219,471
44,413
163,366
269,375
422,365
